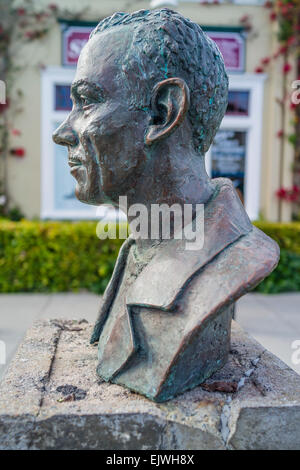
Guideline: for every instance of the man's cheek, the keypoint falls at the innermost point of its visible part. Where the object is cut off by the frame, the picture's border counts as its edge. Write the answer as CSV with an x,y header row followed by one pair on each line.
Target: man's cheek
x,y
109,123
90,150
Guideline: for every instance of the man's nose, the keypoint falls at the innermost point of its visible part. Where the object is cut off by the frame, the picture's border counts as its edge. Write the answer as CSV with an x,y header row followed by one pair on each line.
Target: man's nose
x,y
65,135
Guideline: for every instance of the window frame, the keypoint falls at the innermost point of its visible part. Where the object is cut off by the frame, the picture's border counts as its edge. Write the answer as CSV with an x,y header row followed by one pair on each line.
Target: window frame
x,y
252,124
50,77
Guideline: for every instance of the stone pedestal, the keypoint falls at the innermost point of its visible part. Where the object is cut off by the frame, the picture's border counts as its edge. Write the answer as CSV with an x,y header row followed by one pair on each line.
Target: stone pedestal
x,y
51,398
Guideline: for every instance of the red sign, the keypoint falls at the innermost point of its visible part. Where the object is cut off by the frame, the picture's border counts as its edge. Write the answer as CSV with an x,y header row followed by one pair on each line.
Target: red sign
x,y
232,48
231,45
74,38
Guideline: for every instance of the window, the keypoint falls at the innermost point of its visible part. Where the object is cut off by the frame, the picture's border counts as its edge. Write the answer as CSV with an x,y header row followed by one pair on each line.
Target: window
x,y
236,150
62,98
228,157
57,185
238,103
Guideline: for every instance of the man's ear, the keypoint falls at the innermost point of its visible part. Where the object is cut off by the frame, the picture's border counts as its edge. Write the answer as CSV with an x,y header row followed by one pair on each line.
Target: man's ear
x,y
169,103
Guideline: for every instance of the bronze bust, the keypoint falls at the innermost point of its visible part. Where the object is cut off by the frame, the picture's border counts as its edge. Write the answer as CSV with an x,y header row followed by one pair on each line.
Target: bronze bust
x,y
149,95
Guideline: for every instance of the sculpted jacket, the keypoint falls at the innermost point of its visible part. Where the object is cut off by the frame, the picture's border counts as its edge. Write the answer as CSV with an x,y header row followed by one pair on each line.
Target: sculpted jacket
x,y
158,339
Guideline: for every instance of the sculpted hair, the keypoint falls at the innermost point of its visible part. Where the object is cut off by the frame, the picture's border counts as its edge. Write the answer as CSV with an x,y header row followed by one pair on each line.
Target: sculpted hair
x,y
165,44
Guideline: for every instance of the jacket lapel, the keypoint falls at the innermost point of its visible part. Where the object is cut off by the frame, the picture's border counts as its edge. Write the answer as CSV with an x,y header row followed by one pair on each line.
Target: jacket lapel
x,y
111,289
167,274
163,280
119,348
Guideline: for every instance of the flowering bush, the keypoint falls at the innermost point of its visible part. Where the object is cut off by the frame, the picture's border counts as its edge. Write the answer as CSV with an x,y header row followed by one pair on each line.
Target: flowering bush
x,y
18,152
287,194
18,24
287,14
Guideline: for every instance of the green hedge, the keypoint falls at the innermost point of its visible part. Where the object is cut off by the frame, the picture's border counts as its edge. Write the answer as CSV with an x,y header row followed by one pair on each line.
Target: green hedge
x,y
54,257
286,235
286,277
66,256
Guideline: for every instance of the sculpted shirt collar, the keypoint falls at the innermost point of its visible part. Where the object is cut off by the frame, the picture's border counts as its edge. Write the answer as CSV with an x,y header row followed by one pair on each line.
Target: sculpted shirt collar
x,y
162,281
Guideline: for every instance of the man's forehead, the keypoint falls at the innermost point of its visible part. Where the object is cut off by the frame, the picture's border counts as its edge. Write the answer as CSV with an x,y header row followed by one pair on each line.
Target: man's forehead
x,y
107,46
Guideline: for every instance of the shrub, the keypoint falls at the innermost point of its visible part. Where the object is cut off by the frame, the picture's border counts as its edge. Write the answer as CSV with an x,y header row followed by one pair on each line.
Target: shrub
x,y
68,256
287,235
54,257
286,277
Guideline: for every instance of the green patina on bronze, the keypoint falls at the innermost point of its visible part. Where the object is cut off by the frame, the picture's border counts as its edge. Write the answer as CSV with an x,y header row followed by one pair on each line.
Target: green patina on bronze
x,y
149,94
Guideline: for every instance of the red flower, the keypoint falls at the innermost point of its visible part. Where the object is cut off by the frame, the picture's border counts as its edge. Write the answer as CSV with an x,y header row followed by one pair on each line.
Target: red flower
x,y
291,40
244,19
259,70
29,34
16,132
296,189
265,61
18,152
52,6
273,16
4,106
21,11
292,105
282,49
268,4
293,194
284,10
288,194
280,134
281,193
286,68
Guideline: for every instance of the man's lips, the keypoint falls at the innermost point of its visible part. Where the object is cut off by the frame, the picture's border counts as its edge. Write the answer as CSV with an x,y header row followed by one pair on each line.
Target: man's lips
x,y
72,162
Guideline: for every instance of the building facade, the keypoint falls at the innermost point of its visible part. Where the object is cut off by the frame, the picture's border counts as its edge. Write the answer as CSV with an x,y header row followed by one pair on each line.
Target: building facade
x,y
245,149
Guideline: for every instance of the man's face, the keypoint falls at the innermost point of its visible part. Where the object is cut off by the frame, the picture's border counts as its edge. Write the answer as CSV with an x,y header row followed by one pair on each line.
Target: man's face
x,y
103,133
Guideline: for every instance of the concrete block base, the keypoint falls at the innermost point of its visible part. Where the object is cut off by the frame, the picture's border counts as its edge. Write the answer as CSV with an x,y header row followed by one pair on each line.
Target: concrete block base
x,y
52,398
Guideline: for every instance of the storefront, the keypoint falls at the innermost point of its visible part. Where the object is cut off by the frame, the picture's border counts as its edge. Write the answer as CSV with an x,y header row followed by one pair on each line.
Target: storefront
x,y
246,148
235,153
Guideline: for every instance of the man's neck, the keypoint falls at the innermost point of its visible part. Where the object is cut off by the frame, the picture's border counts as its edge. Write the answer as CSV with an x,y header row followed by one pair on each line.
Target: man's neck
x,y
178,182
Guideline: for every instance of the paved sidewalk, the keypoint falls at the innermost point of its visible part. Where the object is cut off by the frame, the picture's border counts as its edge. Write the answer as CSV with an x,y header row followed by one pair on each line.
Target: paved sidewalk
x,y
273,320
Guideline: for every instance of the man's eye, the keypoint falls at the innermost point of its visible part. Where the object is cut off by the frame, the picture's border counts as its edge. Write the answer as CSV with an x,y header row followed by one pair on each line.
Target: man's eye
x,y
85,101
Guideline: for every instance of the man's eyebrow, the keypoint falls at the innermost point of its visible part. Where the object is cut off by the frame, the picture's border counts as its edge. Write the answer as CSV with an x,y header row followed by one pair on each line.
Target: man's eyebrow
x,y
92,86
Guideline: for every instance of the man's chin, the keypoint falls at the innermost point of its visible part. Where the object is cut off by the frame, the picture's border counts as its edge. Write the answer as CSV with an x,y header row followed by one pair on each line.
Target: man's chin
x,y
88,197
